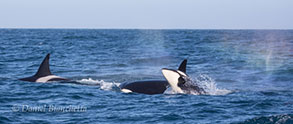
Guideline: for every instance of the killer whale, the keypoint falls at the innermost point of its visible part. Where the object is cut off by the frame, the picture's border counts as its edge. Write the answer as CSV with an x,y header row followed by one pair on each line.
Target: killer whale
x,y
44,74
149,86
180,82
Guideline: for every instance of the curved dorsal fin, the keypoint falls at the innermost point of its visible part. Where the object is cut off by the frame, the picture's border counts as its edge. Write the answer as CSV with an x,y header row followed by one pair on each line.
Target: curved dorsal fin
x,y
182,66
44,69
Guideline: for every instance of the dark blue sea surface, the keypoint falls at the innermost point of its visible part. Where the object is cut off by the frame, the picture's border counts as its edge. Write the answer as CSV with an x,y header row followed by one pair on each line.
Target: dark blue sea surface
x,y
248,75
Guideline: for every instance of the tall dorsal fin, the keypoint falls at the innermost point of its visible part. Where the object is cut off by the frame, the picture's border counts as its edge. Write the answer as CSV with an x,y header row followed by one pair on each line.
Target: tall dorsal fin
x,y
182,66
44,69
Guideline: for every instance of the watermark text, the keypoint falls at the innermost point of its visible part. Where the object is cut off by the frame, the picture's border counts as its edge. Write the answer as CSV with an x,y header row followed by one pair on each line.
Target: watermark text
x,y
48,108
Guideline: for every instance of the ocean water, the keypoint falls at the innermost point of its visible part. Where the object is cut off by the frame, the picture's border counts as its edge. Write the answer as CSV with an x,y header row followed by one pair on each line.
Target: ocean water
x,y
248,75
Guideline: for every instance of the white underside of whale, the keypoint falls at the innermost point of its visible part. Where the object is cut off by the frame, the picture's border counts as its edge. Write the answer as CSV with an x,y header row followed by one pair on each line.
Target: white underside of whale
x,y
126,90
46,78
172,78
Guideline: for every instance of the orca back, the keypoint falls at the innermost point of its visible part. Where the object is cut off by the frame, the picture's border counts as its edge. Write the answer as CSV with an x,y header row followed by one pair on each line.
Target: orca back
x,y
146,87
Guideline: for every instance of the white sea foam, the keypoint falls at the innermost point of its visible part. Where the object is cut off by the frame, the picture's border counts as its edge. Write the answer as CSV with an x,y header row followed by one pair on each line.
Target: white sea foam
x,y
103,84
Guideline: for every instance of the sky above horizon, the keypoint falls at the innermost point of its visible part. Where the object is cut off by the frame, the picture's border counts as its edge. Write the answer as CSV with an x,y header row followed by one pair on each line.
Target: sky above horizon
x,y
147,14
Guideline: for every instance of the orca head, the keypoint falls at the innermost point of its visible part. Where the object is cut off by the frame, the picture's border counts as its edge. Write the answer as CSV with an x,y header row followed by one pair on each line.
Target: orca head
x,y
180,82
43,74
175,78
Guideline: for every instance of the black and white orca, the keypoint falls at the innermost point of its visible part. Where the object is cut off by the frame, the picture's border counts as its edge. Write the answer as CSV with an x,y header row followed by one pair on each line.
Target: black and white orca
x,y
180,82
149,86
44,74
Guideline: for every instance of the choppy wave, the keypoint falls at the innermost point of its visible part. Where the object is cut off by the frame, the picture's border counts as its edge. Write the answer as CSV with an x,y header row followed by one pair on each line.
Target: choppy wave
x,y
259,62
275,119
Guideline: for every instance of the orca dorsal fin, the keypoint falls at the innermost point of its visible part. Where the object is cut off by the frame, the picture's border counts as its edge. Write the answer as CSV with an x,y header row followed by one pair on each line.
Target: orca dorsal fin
x,y
44,69
182,66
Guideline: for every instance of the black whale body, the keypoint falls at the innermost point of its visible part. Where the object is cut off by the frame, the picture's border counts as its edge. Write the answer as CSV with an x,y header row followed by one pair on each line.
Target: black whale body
x,y
146,87
150,86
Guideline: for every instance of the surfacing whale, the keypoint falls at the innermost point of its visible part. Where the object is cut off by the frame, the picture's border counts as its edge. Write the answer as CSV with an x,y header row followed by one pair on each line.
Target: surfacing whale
x,y
149,86
180,82
44,74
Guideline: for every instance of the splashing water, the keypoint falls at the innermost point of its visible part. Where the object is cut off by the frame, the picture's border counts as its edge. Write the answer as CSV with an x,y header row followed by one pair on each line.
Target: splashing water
x,y
209,85
103,84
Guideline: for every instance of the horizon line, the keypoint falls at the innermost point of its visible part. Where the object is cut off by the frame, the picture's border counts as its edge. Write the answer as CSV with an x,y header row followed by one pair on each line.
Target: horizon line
x,y
145,28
